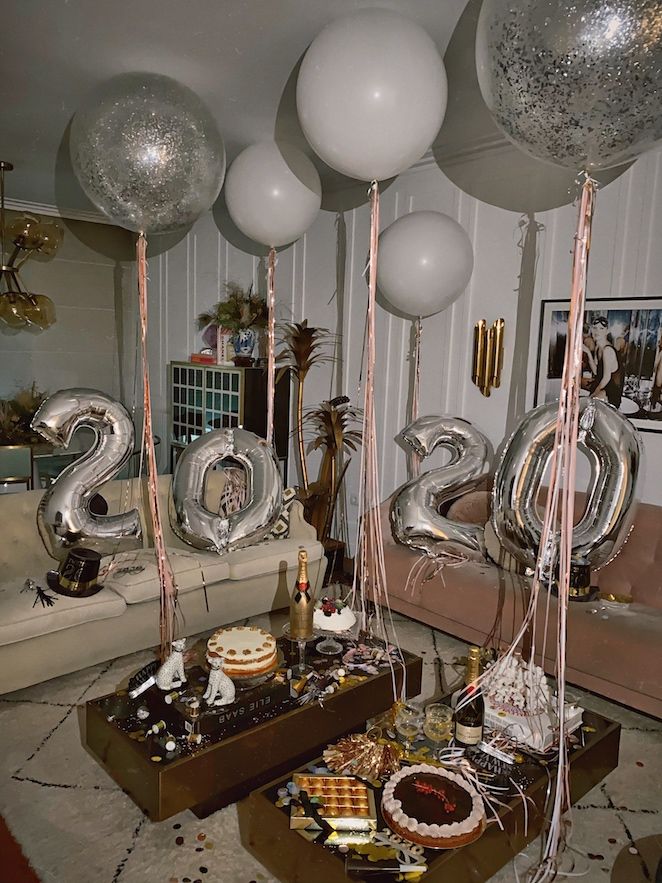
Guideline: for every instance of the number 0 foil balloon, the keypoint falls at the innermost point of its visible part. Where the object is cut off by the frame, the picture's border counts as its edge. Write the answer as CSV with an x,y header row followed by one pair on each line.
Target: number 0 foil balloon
x,y
64,516
575,82
614,450
147,152
194,523
415,518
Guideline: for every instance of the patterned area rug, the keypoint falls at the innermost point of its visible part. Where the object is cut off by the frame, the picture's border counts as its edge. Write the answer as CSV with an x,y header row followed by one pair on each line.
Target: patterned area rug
x,y
74,825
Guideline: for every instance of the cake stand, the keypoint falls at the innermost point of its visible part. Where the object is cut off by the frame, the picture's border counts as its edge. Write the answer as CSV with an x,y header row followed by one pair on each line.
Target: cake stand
x,y
330,646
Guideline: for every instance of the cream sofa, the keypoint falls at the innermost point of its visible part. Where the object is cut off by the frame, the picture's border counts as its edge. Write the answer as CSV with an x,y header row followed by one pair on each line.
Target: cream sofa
x,y
38,643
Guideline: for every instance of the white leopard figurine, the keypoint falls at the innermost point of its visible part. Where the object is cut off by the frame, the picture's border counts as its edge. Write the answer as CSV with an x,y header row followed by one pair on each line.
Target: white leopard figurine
x,y
218,682
171,674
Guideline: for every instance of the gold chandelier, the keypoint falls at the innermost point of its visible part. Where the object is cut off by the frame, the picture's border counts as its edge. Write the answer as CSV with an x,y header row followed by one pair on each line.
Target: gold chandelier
x,y
24,237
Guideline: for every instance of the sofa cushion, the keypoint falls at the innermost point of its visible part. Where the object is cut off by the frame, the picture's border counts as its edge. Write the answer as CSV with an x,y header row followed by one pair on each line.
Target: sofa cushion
x,y
20,620
268,556
135,578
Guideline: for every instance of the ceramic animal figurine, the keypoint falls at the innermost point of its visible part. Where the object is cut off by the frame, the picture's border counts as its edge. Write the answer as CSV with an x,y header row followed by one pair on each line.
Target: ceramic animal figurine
x,y
218,683
171,674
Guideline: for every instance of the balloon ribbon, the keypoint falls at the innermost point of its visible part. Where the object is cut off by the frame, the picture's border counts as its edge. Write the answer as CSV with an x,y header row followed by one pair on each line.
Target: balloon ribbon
x,y
415,395
562,490
370,575
271,343
168,589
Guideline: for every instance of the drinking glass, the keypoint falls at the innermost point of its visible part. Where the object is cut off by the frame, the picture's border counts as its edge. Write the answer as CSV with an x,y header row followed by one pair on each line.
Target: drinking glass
x,y
408,722
438,724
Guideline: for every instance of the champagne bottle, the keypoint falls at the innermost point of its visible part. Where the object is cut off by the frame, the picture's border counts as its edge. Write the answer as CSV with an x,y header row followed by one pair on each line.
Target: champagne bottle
x,y
302,605
470,717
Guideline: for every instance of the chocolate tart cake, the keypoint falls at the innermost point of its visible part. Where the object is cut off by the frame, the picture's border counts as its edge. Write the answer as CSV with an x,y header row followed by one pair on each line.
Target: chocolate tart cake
x,y
433,807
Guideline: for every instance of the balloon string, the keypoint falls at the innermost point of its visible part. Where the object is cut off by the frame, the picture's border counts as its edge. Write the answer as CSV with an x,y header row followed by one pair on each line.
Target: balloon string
x,y
271,343
168,589
370,576
562,485
415,397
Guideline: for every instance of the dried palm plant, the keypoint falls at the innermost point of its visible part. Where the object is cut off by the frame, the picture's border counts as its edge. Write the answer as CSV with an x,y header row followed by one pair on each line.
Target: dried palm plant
x,y
304,346
333,423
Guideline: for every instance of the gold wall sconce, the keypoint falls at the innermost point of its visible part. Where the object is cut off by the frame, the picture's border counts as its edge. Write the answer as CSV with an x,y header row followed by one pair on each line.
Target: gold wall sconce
x,y
488,355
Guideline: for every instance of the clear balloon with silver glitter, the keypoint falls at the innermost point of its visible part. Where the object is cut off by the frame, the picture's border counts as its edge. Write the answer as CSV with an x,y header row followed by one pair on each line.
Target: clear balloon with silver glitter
x,y
194,522
64,517
415,516
614,450
147,152
574,82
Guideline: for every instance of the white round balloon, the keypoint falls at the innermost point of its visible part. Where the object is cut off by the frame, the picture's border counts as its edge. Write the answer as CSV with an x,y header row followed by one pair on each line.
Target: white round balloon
x,y
371,94
273,193
425,262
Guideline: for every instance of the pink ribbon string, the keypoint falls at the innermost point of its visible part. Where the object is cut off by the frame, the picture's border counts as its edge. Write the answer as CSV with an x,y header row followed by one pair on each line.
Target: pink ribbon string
x,y
416,391
370,575
168,589
271,343
562,490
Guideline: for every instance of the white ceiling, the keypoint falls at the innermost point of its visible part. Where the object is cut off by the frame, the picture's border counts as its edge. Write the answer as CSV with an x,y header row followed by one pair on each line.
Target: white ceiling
x,y
240,56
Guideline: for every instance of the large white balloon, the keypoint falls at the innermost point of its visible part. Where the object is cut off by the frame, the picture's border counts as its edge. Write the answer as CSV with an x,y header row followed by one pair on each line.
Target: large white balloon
x,y
425,263
371,94
273,193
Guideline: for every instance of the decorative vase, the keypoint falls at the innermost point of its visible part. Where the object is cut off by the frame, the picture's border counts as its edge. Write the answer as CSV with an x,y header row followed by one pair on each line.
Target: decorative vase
x,y
244,343
224,350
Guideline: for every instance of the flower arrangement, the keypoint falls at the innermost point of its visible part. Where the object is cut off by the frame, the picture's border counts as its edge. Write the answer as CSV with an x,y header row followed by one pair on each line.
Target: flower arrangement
x,y
16,415
241,309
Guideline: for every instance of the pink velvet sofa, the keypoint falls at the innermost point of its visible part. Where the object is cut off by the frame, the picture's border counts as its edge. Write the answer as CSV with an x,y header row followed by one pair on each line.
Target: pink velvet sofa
x,y
616,652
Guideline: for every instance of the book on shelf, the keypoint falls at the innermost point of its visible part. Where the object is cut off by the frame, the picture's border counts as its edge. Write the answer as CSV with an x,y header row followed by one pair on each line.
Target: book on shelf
x,y
202,358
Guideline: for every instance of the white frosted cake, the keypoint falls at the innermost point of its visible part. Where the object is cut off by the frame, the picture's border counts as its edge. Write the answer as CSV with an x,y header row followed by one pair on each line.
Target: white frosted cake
x,y
433,806
246,651
333,616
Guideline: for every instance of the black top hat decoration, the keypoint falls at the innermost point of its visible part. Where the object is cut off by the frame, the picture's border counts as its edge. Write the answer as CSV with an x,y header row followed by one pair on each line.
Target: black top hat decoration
x,y
78,574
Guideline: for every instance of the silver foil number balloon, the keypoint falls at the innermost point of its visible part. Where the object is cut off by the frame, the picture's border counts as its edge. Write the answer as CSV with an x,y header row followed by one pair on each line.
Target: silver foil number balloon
x,y
147,152
64,516
194,523
575,82
415,517
613,448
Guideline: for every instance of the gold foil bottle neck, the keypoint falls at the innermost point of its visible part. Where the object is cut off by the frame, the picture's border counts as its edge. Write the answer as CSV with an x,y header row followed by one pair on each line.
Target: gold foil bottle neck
x,y
302,576
473,665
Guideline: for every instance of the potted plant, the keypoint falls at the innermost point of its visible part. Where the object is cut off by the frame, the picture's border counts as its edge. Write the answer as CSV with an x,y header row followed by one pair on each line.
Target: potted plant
x,y
240,315
335,424
304,346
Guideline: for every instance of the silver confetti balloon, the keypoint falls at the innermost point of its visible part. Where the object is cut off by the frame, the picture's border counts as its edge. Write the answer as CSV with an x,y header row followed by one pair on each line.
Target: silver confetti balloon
x,y
614,450
147,152
415,518
574,82
194,523
64,516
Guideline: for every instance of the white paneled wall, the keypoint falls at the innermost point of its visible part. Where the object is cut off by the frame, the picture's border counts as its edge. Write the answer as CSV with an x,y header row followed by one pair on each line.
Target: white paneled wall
x,y
321,278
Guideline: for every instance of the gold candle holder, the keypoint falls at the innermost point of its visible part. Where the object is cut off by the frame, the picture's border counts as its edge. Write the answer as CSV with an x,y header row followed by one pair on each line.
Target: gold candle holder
x,y
487,360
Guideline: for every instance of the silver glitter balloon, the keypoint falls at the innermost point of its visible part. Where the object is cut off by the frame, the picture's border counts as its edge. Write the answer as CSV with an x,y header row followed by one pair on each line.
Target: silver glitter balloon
x,y
194,523
64,516
415,518
614,450
574,82
147,152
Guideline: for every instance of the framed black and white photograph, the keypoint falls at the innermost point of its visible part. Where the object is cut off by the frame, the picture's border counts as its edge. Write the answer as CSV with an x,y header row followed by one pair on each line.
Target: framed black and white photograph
x,y
621,355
